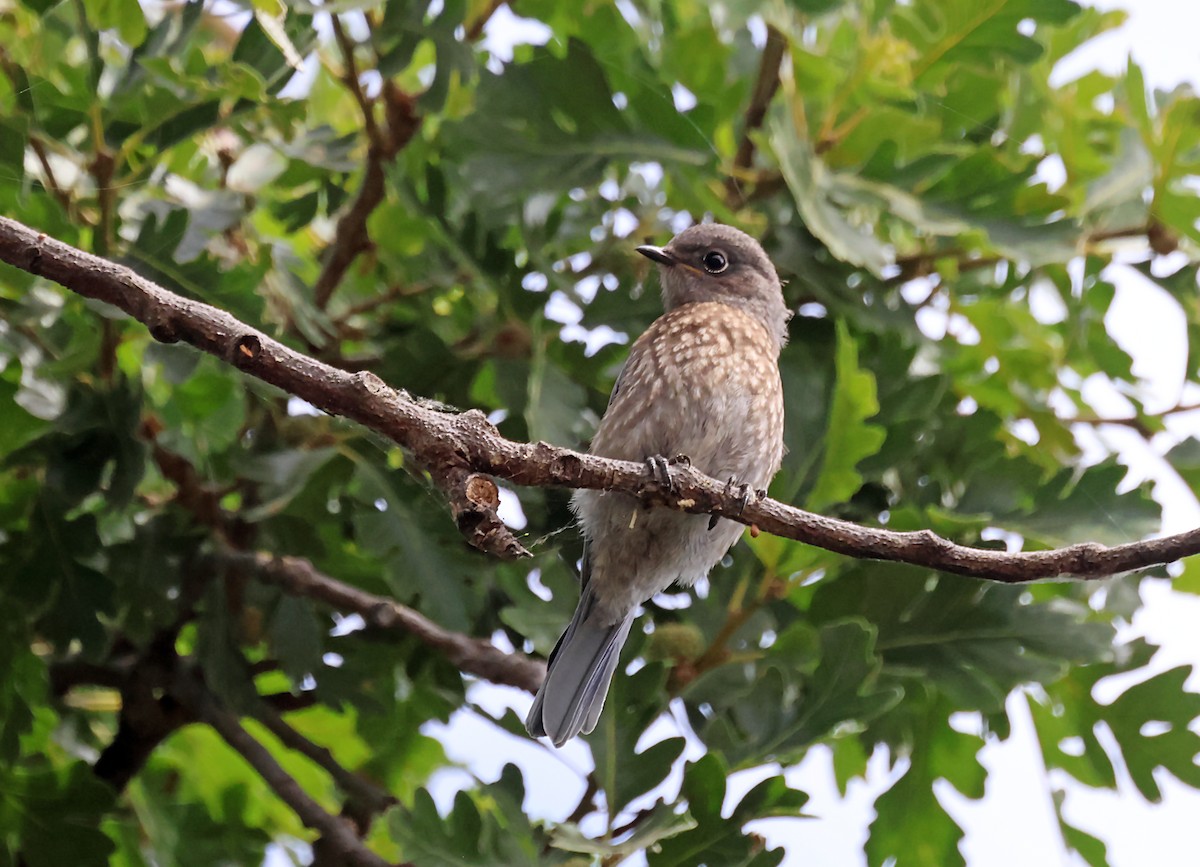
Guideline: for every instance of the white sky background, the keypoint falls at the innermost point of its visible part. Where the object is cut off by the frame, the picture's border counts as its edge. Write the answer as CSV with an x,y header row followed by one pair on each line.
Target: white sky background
x,y
1014,823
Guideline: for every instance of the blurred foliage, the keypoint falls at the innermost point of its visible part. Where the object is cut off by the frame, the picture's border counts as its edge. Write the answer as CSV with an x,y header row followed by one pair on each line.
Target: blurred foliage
x,y
943,214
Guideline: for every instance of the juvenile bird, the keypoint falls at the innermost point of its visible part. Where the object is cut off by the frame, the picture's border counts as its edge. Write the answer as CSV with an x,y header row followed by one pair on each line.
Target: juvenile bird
x,y
702,381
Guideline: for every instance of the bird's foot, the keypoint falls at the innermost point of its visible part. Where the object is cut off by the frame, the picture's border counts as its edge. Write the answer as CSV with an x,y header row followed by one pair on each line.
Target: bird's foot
x,y
660,469
745,495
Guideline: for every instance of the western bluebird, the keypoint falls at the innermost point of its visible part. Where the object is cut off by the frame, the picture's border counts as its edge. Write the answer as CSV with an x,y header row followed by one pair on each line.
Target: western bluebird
x,y
702,381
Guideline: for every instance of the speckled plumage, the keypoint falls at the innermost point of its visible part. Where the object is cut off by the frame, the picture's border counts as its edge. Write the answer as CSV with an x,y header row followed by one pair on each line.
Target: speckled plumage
x,y
702,381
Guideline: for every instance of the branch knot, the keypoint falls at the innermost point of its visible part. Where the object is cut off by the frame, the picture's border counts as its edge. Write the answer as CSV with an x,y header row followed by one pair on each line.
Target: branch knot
x,y
245,351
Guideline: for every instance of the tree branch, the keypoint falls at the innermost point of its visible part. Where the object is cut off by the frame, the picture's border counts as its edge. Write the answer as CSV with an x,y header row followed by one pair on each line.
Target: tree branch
x,y
369,305
289,702
466,441
336,832
925,263
475,28
476,656
51,183
368,799
353,83
765,87
1137,423
149,712
350,237
587,802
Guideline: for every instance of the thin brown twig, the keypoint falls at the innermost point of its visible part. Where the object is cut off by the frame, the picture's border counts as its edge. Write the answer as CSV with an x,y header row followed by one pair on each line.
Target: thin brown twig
x,y
475,28
336,832
641,816
1100,236
1137,422
39,149
401,123
925,263
586,801
739,613
393,292
192,493
833,137
103,166
351,237
766,84
370,799
17,78
290,702
475,656
913,267
353,82
466,440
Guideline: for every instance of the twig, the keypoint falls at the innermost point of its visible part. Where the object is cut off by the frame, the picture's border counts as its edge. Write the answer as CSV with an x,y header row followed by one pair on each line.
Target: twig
x,y
289,702
444,439
149,713
102,167
737,615
202,500
765,87
351,237
353,82
924,263
39,150
336,832
370,799
476,27
1100,237
396,290
832,138
1136,422
476,656
587,802
641,816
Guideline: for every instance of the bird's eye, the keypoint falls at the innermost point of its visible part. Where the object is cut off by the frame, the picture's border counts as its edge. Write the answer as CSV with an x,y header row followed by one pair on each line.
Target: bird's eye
x,y
715,262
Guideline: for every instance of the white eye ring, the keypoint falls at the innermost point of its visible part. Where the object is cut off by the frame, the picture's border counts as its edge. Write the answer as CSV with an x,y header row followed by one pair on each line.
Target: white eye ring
x,y
715,262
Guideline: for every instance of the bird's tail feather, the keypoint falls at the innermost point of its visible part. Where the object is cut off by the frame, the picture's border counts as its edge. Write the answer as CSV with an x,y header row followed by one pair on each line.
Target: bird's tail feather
x,y
578,674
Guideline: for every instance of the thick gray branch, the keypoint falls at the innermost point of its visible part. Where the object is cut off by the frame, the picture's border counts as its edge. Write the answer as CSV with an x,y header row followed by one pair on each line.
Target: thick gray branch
x,y
457,445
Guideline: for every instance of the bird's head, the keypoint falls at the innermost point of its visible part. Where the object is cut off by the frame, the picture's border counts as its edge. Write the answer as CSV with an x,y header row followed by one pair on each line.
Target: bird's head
x,y
712,262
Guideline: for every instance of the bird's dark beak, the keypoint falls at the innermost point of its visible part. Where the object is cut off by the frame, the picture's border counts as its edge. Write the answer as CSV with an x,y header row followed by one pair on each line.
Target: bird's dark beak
x,y
658,254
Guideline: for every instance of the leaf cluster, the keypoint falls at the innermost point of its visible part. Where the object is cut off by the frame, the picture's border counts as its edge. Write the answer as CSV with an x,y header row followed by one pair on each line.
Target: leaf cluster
x,y
951,300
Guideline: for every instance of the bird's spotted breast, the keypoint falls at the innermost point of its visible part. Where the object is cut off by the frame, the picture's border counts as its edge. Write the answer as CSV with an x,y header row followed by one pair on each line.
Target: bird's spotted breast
x,y
701,381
